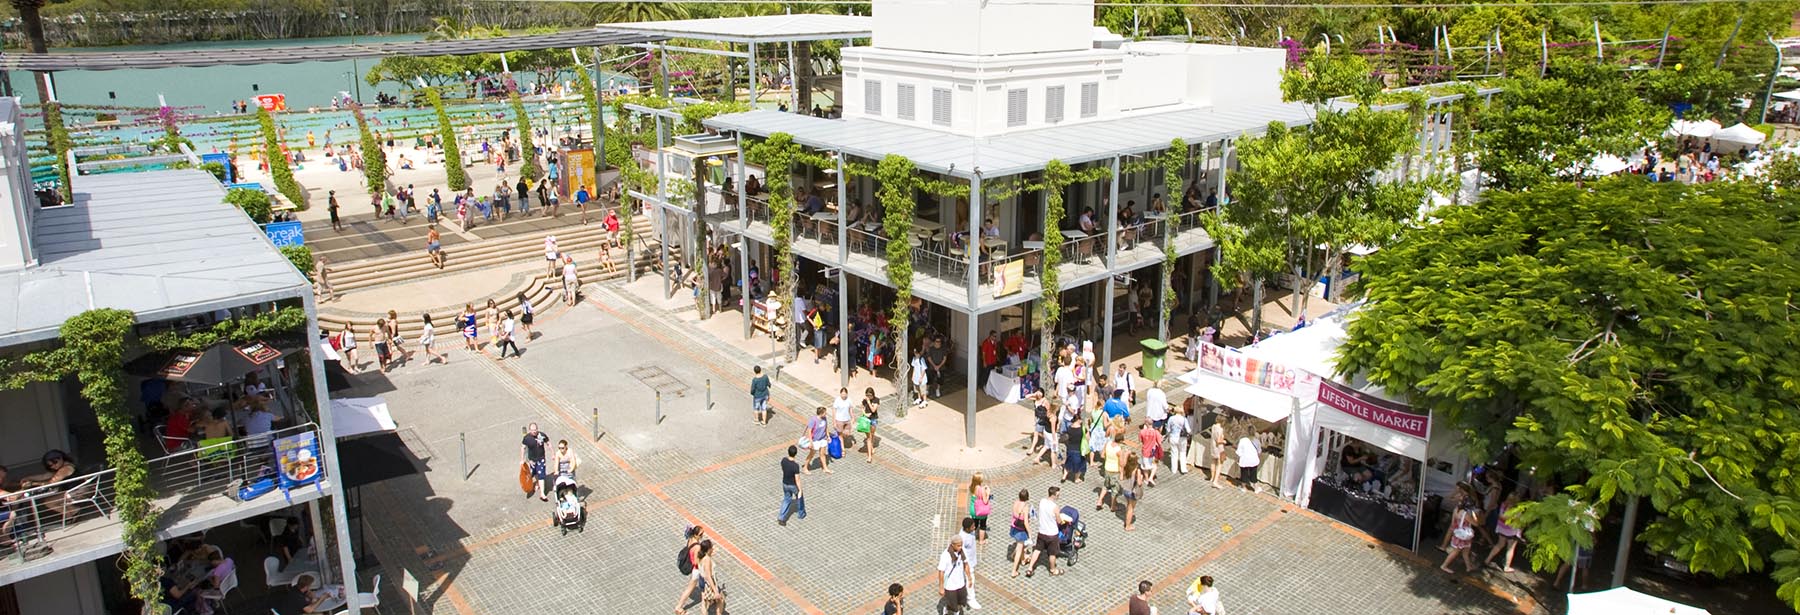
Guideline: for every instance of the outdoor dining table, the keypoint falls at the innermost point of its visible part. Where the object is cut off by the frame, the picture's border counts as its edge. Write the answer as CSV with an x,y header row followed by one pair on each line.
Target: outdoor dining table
x,y
1081,250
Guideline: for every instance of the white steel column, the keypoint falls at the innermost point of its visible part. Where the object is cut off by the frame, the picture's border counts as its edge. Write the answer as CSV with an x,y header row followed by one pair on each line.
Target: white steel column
x,y
971,246
744,235
752,75
843,323
1112,248
660,220
328,449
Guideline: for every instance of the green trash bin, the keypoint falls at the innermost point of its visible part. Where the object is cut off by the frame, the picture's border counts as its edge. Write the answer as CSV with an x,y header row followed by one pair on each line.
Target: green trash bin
x,y
1153,358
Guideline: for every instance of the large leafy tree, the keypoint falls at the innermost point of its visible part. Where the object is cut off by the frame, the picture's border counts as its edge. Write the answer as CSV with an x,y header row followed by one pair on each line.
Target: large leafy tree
x,y
1626,339
1297,189
1549,128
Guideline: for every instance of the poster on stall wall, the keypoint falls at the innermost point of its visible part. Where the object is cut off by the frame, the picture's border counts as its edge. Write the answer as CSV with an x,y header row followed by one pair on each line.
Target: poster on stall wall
x,y
297,461
1237,367
578,171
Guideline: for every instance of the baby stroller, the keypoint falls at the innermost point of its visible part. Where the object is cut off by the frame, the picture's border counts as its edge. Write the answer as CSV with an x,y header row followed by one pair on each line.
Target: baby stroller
x,y
571,511
1071,533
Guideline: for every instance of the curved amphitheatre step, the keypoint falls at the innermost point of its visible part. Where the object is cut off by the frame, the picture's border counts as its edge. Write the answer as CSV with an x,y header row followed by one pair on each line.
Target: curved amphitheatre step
x,y
470,256
541,289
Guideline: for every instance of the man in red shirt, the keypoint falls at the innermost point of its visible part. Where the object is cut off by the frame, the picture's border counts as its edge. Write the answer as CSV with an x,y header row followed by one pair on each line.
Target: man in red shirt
x,y
990,355
178,433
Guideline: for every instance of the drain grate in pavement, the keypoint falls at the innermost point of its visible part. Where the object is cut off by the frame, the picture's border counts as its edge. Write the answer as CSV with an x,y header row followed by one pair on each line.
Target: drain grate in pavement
x,y
659,380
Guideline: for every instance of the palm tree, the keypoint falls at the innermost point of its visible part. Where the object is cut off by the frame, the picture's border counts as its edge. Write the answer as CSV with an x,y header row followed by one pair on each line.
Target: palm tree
x,y
627,12
34,33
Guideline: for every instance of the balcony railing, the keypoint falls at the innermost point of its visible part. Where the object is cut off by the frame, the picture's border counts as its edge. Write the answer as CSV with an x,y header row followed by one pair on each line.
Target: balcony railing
x,y
80,512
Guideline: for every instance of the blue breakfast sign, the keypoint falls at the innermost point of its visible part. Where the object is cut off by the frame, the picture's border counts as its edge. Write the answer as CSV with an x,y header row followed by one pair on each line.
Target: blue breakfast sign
x,y
297,461
284,234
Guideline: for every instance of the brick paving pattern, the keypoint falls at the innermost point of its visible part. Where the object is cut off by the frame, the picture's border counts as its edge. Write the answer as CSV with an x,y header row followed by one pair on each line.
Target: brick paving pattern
x,y
495,551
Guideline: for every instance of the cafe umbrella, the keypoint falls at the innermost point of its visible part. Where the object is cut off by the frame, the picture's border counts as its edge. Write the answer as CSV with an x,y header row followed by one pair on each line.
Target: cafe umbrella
x,y
217,365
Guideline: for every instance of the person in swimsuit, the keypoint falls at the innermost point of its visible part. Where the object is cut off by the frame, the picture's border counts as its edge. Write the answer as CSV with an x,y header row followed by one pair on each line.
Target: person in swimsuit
x,y
433,247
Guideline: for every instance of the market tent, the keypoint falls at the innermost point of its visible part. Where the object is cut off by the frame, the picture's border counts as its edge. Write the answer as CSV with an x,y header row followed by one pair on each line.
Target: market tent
x,y
1701,129
1607,164
1271,406
1625,601
1739,135
1789,95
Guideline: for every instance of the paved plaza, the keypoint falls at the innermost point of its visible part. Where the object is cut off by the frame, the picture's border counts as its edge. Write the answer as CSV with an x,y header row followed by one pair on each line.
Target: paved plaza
x,y
478,546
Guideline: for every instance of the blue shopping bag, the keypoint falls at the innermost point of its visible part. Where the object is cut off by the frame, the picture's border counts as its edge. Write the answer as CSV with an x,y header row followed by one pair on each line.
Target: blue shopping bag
x,y
836,448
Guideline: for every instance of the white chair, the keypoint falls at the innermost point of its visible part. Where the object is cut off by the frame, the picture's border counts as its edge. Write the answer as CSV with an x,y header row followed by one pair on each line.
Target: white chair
x,y
372,598
88,492
217,596
273,574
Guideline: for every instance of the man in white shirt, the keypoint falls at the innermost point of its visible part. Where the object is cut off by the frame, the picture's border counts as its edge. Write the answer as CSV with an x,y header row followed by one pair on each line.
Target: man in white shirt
x,y
1179,432
1203,598
953,576
1065,385
1047,542
1156,407
259,421
967,536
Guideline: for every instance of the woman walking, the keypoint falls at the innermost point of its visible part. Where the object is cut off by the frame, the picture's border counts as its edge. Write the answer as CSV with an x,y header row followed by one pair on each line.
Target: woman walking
x,y
1074,457
1020,530
1462,536
492,316
1112,473
504,339
469,330
981,504
871,408
427,338
393,335
919,378
434,246
1509,535
1178,441
704,582
1133,486
525,315
347,343
1219,453
1151,443
1249,458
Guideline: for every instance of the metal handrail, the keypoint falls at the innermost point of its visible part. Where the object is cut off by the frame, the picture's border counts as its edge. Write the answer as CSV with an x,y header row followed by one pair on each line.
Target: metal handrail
x,y
83,504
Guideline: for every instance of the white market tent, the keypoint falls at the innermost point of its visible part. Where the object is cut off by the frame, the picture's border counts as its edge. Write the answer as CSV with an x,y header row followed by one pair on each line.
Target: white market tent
x,y
1625,601
1607,164
1701,129
1740,135
1793,95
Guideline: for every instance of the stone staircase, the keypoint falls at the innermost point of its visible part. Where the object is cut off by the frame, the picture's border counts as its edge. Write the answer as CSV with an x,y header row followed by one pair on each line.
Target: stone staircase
x,y
542,289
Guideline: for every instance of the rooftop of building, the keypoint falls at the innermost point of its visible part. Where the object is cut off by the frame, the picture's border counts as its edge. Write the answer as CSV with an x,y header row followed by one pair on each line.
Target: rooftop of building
x,y
758,28
162,244
957,155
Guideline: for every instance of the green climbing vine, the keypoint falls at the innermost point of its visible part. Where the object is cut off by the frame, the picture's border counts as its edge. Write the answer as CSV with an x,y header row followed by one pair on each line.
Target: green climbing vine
x,y
528,168
1056,176
454,174
776,154
895,175
93,350
1173,160
277,160
373,157
60,144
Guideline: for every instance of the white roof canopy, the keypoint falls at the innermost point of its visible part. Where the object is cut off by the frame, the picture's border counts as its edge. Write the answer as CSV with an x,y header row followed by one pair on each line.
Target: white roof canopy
x,y
1788,95
1739,134
1625,601
758,28
360,415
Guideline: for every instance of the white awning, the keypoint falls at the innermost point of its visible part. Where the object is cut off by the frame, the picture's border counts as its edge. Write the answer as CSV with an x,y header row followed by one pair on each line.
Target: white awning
x,y
360,415
1246,398
1740,134
1701,129
1789,95
1625,601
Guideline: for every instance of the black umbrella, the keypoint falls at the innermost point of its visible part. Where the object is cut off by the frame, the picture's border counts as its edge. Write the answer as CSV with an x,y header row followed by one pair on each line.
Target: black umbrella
x,y
222,363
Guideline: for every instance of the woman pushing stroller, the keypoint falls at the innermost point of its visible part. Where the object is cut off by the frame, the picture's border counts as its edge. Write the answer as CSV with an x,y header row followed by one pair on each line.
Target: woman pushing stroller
x,y
570,511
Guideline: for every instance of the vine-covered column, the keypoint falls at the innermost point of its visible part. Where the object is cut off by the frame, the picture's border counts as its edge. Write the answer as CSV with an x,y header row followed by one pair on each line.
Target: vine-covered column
x,y
454,175
1173,161
895,192
278,164
1056,177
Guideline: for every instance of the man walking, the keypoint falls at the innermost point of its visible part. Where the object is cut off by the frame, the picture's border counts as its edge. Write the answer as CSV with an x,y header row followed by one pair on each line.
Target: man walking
x,y
331,207
1139,603
967,536
1047,542
759,395
793,498
531,455
953,577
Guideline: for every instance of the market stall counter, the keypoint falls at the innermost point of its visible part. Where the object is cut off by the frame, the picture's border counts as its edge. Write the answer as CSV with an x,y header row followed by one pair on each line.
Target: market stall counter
x,y
1389,521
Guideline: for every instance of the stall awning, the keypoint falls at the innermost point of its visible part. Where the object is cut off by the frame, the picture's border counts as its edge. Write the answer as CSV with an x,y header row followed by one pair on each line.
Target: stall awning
x,y
1625,601
360,415
1246,398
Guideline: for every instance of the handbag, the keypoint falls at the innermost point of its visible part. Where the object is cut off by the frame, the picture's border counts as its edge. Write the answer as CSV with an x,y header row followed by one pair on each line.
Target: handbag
x,y
863,425
979,507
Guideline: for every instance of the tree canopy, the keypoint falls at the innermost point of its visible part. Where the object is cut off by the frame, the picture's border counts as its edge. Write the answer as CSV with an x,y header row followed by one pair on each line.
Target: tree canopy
x,y
1624,338
1549,128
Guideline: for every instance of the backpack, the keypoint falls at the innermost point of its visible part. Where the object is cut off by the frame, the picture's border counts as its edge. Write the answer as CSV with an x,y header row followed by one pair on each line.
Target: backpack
x,y
682,564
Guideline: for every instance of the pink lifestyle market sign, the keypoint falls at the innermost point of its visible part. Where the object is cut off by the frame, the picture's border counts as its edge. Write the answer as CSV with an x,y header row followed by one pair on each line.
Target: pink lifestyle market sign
x,y
1383,413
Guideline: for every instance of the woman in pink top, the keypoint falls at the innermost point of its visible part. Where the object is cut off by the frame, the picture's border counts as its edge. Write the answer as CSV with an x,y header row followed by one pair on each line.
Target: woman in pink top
x,y
1509,535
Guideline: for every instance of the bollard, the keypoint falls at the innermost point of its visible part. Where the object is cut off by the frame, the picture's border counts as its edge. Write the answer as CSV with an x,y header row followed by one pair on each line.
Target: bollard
x,y
463,453
658,409
708,393
596,424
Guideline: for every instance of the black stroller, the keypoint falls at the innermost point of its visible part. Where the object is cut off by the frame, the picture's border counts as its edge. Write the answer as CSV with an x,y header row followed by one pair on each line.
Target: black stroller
x,y
570,512
1072,534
